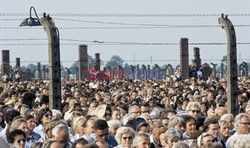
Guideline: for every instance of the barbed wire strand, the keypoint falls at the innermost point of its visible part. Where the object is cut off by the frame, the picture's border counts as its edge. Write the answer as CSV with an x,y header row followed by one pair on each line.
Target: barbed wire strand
x,y
102,43
128,15
72,61
130,27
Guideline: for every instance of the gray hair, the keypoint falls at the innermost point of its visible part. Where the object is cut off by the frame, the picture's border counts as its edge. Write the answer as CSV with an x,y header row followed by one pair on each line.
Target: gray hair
x,y
139,137
60,127
223,122
56,114
180,144
239,116
114,124
193,105
47,144
76,124
172,133
173,121
122,130
227,117
16,123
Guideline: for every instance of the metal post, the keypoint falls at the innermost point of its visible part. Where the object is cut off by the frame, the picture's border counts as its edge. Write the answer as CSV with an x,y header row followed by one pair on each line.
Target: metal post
x,y
222,70
184,63
68,73
18,65
138,72
232,101
97,62
197,57
44,72
6,63
144,71
214,69
149,72
77,73
83,61
54,62
39,71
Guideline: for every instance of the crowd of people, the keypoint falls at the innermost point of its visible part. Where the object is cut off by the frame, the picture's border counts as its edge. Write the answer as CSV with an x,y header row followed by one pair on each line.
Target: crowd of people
x,y
170,113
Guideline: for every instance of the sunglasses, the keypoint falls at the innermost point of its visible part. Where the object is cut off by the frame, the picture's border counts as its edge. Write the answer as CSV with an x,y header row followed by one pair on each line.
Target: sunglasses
x,y
48,115
195,111
21,140
127,138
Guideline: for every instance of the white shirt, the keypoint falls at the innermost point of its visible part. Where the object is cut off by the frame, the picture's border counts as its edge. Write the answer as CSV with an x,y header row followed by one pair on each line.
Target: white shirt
x,y
236,137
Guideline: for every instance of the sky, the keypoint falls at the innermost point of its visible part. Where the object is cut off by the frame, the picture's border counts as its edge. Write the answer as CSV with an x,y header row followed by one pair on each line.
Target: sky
x,y
120,21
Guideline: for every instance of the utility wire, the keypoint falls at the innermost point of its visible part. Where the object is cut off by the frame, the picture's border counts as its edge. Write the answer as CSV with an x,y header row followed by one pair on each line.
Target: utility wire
x,y
130,27
127,15
109,43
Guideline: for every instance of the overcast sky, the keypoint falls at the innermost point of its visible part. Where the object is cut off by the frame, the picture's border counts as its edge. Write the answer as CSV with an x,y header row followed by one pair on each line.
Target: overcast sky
x,y
133,29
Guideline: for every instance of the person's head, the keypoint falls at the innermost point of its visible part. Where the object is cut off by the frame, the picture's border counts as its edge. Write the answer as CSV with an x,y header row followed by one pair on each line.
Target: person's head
x,y
79,143
145,108
56,114
190,125
229,118
47,129
135,111
44,103
180,144
146,117
159,136
101,143
141,140
89,126
60,133
37,145
248,109
113,126
211,126
19,124
220,111
205,140
193,109
28,99
177,122
52,144
224,128
116,114
31,122
101,129
242,123
125,136
10,115
72,104
45,116
78,125
172,136
17,137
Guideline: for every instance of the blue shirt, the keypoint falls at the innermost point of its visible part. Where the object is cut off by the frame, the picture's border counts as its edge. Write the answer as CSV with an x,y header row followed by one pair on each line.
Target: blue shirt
x,y
111,140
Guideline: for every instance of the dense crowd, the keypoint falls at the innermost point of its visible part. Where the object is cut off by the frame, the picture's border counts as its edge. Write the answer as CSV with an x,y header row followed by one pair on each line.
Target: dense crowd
x,y
170,113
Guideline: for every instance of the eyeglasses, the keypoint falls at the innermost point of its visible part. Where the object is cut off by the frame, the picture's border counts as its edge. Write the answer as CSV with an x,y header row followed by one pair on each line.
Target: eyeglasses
x,y
127,138
21,140
245,123
195,111
48,115
136,112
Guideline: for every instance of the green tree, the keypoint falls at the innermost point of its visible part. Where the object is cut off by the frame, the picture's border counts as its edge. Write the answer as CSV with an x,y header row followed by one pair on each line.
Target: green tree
x,y
115,61
32,67
91,63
